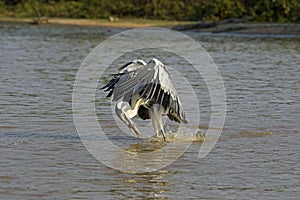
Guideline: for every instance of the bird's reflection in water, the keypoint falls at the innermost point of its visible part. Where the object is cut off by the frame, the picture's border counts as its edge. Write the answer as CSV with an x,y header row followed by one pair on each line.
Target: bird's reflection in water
x,y
150,145
144,185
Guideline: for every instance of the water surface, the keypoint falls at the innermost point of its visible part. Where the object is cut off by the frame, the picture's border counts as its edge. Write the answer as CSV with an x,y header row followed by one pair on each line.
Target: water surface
x,y
42,156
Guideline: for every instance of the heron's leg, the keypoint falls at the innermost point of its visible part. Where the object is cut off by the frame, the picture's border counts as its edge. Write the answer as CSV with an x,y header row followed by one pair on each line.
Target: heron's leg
x,y
157,120
155,124
161,126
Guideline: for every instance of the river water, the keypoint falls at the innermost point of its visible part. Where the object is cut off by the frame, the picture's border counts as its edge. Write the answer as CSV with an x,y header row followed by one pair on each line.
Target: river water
x,y
42,156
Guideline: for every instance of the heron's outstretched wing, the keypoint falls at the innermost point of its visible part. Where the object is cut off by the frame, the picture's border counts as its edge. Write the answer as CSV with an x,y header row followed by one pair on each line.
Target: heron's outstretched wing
x,y
153,84
122,75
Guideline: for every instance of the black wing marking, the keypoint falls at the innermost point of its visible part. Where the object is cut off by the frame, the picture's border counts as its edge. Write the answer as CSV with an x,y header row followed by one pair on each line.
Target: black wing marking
x,y
125,72
126,65
111,85
156,95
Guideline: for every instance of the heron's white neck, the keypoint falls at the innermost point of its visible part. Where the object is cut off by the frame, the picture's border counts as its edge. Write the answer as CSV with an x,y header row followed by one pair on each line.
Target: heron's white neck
x,y
133,112
130,112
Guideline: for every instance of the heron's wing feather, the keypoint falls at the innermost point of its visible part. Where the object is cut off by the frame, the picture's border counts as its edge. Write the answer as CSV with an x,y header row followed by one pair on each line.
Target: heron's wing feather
x,y
122,75
128,82
153,84
132,66
166,95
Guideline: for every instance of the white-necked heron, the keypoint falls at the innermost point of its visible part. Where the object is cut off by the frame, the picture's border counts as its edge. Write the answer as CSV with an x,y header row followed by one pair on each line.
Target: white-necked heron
x,y
145,90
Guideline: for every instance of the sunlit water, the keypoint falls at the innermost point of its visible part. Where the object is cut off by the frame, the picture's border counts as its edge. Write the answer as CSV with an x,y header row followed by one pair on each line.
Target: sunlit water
x,y
42,157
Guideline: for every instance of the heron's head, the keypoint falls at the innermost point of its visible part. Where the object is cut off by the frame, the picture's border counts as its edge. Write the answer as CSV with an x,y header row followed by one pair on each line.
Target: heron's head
x,y
122,106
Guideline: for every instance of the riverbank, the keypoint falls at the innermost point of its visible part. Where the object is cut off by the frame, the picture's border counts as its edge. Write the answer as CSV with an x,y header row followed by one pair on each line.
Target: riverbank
x,y
242,26
224,26
111,22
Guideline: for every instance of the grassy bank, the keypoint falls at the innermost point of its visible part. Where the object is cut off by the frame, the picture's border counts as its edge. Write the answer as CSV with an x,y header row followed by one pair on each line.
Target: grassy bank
x,y
213,27
266,11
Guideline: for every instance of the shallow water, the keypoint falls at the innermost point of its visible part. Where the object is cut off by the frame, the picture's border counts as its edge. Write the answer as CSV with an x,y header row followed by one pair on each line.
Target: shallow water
x,y
42,156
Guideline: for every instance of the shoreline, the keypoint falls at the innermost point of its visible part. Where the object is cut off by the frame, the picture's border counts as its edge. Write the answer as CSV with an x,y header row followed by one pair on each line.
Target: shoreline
x,y
114,22
211,27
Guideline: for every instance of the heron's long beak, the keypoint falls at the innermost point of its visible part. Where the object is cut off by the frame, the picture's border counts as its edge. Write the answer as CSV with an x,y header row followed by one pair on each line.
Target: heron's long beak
x,y
130,124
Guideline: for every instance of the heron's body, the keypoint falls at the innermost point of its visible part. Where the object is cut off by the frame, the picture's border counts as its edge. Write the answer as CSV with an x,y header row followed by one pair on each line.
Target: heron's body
x,y
145,90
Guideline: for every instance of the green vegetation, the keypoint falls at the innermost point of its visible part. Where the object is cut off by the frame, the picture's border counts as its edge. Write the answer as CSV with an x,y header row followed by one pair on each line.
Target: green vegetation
x,y
200,10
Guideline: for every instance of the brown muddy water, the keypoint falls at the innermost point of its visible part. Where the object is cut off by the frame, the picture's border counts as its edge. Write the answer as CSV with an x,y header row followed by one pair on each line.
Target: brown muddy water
x,y
42,157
